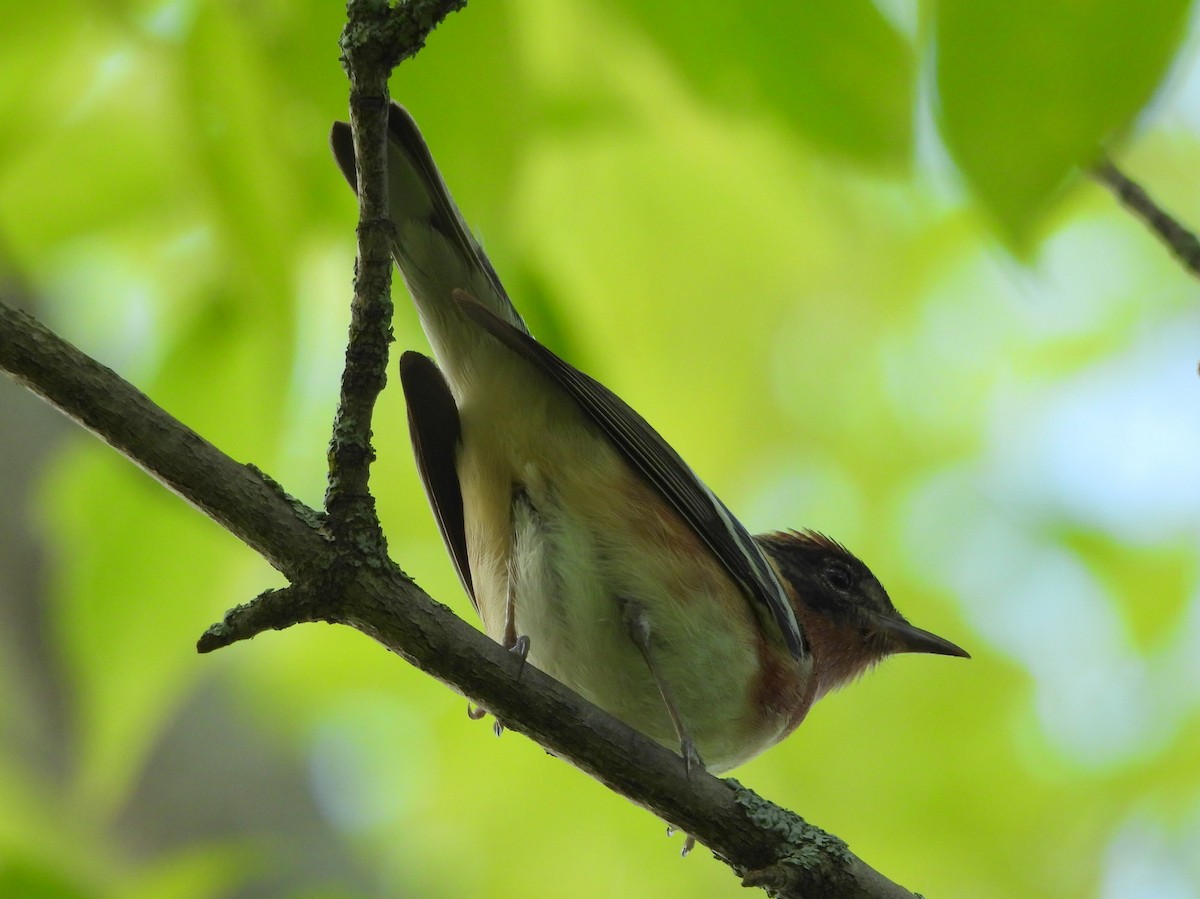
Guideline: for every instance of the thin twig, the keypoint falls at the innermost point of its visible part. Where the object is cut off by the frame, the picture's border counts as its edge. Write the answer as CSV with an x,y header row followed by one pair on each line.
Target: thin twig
x,y
1181,241
348,500
376,38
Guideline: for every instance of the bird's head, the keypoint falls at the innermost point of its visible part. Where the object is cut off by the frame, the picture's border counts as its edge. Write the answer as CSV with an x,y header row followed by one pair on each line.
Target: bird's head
x,y
847,616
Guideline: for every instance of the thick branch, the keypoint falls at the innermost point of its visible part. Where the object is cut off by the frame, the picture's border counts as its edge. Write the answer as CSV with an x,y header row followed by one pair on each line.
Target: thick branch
x,y
1180,240
762,842
759,840
238,497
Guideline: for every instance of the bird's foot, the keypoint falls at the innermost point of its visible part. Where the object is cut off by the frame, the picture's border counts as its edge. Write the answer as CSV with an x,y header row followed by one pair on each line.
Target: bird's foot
x,y
689,841
475,712
519,646
691,756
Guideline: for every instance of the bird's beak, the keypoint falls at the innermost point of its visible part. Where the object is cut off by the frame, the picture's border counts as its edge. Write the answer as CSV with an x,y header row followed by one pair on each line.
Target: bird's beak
x,y
906,638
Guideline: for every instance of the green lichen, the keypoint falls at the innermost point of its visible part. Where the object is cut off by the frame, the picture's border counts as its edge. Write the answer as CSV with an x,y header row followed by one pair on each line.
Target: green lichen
x,y
808,846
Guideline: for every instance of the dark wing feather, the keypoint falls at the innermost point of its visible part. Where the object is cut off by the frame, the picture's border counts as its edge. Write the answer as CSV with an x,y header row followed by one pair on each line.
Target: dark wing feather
x,y
434,427
662,467
409,156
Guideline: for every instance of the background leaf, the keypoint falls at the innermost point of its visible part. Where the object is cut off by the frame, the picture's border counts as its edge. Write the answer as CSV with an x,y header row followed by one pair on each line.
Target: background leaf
x,y
1029,92
840,73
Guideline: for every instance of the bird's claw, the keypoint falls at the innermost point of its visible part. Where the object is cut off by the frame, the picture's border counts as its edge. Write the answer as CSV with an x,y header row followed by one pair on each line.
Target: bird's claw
x,y
475,712
689,841
520,648
691,756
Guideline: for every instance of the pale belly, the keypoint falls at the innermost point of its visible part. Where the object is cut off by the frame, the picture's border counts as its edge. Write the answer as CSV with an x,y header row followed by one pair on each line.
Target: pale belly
x,y
588,540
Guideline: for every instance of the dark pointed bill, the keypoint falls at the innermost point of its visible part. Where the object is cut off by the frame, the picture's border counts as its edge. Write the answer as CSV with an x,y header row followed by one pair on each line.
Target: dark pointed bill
x,y
906,638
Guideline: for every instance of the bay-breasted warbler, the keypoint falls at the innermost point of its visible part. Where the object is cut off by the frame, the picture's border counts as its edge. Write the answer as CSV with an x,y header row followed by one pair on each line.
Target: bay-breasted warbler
x,y
585,541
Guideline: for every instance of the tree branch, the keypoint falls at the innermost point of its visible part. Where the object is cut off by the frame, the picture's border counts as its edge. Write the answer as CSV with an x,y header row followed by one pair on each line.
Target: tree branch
x,y
1181,241
377,37
765,844
241,499
338,577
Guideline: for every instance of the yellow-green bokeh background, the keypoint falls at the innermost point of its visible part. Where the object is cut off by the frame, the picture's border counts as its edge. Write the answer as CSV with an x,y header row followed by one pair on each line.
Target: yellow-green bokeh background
x,y
833,251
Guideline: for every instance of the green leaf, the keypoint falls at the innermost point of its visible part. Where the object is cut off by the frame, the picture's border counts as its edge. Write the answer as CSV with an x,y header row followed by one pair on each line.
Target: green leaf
x,y
32,878
1029,90
839,72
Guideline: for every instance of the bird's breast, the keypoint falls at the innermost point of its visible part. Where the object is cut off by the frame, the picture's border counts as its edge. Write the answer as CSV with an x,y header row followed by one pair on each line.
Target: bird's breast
x,y
559,521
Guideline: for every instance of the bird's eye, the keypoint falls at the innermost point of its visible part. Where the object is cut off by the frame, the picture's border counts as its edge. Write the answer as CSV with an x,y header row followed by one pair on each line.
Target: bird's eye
x,y
839,576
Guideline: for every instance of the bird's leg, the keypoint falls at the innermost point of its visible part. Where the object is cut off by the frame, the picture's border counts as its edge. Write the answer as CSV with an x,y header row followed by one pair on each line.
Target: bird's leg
x,y
637,626
524,515
510,641
513,643
524,526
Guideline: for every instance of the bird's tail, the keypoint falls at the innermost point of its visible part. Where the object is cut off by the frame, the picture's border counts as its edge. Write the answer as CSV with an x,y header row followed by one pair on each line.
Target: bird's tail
x,y
434,248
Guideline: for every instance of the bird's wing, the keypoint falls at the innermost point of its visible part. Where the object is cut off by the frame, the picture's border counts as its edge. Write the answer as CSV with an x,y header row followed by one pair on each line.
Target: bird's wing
x,y
666,472
440,252
434,427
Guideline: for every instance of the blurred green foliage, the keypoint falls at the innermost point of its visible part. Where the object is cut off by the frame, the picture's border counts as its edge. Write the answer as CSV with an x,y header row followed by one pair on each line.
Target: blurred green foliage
x,y
1030,90
779,231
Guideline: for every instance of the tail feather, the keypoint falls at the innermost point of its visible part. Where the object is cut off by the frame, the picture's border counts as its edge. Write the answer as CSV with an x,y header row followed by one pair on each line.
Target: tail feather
x,y
434,249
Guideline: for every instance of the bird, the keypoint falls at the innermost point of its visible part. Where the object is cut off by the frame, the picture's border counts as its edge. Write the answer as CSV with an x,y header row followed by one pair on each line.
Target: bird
x,y
586,544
